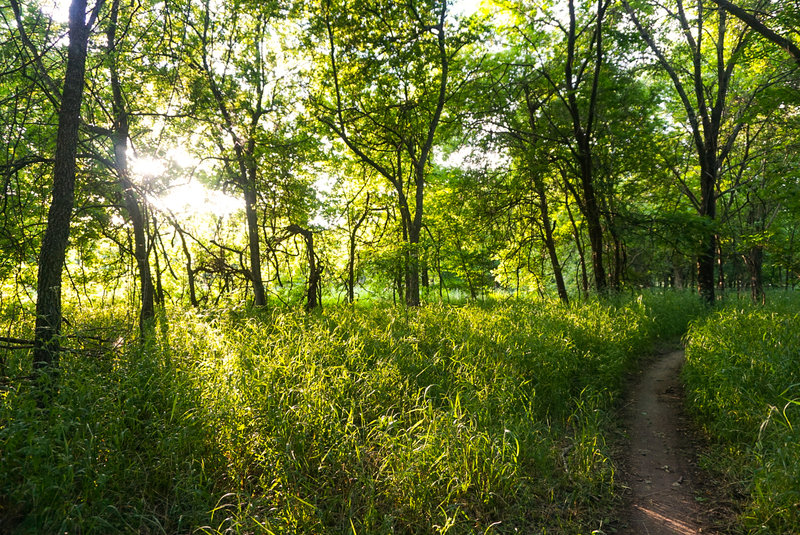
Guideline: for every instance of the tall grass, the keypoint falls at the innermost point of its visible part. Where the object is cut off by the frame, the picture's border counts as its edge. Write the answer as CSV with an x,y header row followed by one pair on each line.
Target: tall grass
x,y
475,419
743,383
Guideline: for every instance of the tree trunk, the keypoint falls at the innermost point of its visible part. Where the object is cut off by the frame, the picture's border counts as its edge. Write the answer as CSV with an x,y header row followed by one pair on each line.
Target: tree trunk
x,y
159,290
583,140
708,247
245,176
593,226
351,270
579,246
259,296
677,273
56,236
412,269
705,116
541,193
755,261
351,258
314,272
147,311
547,235
720,268
119,137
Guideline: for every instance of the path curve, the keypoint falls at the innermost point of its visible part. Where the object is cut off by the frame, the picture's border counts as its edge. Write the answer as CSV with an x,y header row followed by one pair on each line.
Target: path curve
x,y
659,471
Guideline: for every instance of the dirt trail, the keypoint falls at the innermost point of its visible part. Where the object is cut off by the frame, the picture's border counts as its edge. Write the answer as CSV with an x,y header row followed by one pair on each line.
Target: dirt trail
x,y
659,471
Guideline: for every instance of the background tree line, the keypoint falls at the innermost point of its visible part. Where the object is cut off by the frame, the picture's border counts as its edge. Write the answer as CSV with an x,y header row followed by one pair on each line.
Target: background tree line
x,y
353,150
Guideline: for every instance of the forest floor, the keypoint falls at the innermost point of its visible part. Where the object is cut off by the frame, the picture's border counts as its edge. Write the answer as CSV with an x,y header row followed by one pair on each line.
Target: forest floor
x,y
668,494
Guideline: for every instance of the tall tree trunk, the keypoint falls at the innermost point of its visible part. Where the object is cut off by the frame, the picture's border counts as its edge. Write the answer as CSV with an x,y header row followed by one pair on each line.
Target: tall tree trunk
x,y
56,236
754,259
720,268
190,272
546,229
140,249
677,272
790,260
583,139
119,136
245,175
705,114
417,151
593,226
618,267
159,289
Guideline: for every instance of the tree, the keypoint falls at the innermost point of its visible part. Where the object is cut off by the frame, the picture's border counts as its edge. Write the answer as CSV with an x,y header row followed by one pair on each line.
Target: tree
x,y
765,31
702,75
563,92
54,244
390,65
120,134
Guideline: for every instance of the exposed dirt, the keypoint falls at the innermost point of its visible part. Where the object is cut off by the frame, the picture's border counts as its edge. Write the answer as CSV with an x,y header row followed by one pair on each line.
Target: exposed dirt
x,y
659,469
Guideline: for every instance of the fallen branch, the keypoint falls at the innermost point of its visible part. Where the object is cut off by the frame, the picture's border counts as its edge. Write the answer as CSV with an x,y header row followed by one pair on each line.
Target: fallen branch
x,y
15,343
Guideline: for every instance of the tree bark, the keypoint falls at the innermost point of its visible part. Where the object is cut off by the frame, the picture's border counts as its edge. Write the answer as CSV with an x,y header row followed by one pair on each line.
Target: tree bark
x,y
56,236
583,141
119,137
546,227
705,116
246,172
579,245
755,262
351,258
313,289
417,151
708,208
254,243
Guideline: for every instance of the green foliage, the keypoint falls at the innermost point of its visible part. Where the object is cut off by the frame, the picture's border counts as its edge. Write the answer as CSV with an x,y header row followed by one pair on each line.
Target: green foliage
x,y
476,419
743,384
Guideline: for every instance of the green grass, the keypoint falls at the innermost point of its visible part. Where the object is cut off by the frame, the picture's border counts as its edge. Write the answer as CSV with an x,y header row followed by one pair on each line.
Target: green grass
x,y
484,418
743,384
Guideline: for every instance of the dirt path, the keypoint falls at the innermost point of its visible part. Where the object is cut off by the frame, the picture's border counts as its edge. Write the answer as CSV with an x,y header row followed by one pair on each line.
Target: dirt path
x,y
658,468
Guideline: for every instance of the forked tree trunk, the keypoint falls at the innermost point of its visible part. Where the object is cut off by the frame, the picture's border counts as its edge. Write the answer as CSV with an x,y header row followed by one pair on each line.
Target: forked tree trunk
x,y
583,135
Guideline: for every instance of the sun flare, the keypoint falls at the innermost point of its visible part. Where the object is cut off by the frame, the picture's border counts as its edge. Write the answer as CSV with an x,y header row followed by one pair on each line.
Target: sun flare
x,y
193,198
182,196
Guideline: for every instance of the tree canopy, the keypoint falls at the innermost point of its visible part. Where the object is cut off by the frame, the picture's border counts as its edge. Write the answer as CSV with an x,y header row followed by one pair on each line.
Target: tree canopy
x,y
293,153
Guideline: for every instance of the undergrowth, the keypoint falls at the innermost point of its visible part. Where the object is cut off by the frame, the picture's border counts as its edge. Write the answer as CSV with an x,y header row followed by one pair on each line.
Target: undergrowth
x,y
476,419
743,385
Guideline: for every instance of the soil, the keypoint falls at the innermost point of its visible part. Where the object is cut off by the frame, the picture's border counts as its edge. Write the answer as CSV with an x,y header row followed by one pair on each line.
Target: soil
x,y
665,490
